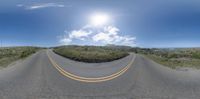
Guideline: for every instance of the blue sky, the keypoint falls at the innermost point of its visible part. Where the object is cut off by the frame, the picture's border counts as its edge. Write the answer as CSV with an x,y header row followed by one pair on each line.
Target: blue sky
x,y
143,23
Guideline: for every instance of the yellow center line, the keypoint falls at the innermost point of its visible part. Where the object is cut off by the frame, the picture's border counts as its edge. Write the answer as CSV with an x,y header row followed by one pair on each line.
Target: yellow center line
x,y
85,79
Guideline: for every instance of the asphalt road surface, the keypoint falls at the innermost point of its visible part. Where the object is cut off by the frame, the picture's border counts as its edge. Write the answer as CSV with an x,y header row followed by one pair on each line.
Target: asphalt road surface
x,y
46,75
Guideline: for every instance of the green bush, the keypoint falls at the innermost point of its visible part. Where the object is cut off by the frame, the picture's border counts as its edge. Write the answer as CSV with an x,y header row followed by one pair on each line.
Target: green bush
x,y
196,55
8,55
27,53
91,54
177,58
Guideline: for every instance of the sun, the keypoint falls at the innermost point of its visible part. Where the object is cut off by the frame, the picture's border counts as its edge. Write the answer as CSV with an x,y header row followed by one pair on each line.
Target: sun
x,y
99,19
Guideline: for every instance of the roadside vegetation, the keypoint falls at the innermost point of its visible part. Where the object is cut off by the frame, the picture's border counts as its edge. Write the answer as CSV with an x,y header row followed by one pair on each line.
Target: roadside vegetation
x,y
170,57
90,54
174,58
10,54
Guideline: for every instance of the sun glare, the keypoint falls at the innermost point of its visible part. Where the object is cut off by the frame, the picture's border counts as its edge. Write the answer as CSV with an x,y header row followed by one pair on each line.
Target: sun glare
x,y
99,19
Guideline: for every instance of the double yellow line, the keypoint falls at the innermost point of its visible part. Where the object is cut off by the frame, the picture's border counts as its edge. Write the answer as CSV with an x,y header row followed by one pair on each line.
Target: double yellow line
x,y
85,79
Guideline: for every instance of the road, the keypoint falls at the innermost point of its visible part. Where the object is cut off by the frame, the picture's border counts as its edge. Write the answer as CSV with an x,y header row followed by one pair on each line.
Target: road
x,y
38,77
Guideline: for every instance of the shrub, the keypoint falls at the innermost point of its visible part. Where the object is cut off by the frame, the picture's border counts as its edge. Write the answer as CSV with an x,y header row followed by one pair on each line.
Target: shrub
x,y
91,54
8,55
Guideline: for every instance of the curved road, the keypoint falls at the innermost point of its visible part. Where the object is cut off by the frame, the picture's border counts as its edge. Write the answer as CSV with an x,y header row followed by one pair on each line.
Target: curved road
x,y
90,72
37,78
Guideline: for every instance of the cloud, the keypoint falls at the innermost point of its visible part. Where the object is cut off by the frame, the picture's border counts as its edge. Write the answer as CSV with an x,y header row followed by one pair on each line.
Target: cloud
x,y
64,40
40,6
110,35
79,34
102,36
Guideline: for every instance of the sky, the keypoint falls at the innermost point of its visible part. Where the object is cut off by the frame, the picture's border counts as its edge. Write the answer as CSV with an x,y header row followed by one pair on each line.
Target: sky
x,y
140,23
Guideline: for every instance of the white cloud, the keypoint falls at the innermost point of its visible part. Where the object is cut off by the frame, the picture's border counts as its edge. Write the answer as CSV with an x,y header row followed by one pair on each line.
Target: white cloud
x,y
79,34
110,35
40,5
111,29
64,40
105,35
